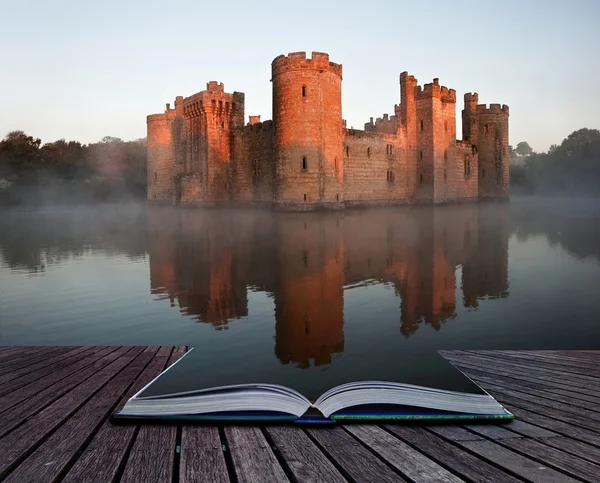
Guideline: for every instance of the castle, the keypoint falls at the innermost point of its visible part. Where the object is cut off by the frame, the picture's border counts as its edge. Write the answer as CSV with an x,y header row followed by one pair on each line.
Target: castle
x,y
202,152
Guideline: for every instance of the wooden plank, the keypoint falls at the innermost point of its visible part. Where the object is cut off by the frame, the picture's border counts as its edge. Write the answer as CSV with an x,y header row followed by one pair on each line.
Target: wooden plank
x,y
302,457
354,460
49,368
527,429
22,440
556,425
106,453
530,361
24,359
9,400
253,459
12,418
8,351
578,448
493,431
152,456
525,383
153,453
453,432
411,463
52,458
537,368
14,374
202,456
553,457
450,456
514,462
570,361
585,387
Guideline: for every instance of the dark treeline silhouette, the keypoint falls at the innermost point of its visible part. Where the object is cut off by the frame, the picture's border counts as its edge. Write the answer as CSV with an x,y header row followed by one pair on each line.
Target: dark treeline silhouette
x,y
67,171
571,168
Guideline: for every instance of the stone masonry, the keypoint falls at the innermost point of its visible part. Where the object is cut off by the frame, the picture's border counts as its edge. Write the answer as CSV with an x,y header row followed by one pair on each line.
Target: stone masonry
x,y
200,152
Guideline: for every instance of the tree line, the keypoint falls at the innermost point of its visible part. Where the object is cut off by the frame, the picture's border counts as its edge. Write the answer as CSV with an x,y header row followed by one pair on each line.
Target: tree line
x,y
571,168
67,171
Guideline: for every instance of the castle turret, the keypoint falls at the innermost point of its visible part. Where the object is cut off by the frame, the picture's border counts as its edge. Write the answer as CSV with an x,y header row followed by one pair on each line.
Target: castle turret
x,y
492,148
307,114
161,155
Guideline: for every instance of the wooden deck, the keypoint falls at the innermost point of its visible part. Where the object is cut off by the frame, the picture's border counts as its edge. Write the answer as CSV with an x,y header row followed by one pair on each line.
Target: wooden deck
x,y
56,402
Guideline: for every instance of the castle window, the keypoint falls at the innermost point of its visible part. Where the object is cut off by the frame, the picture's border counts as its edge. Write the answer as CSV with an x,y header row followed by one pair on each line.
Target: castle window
x,y
303,91
421,125
368,152
155,176
304,196
387,175
421,178
446,155
446,126
421,155
348,151
486,128
467,166
445,176
304,162
223,124
483,173
337,196
335,163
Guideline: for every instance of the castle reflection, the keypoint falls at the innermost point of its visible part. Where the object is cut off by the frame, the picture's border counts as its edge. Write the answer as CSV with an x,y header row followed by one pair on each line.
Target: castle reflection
x,y
205,262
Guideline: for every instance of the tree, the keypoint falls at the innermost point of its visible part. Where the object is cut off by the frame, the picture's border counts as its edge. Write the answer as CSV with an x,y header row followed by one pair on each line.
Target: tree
x,y
523,149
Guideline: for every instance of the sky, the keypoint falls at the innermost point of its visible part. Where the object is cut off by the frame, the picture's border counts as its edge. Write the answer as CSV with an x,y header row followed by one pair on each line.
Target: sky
x,y
82,69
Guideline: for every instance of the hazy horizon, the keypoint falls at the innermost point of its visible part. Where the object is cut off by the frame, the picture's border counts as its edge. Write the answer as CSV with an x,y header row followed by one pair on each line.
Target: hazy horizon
x,y
83,72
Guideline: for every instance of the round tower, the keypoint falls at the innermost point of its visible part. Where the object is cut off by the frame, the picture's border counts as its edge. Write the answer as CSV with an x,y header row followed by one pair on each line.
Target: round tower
x,y
160,156
309,135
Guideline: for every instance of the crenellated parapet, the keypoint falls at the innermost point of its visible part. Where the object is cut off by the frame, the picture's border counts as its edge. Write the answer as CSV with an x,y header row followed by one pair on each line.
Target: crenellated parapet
x,y
298,61
434,89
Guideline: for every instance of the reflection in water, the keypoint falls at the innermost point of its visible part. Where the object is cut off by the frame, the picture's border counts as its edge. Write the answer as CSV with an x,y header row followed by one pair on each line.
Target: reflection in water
x,y
313,285
204,262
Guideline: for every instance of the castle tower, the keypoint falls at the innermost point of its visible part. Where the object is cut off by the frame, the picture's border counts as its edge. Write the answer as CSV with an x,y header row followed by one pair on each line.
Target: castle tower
x,y
161,155
436,136
487,129
307,114
210,118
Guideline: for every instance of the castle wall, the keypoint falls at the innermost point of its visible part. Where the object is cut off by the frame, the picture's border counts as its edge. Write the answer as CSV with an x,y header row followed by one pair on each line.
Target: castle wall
x,y
373,173
465,171
307,113
161,156
254,163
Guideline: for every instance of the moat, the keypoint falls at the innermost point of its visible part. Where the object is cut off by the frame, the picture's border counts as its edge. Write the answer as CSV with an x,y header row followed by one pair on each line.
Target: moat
x,y
304,290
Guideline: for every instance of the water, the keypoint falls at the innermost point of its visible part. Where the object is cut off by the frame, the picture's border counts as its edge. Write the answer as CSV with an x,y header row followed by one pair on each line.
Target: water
x,y
310,291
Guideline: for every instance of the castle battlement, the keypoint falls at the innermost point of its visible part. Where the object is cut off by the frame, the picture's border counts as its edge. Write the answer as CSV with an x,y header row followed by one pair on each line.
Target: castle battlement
x,y
434,89
306,157
299,61
493,109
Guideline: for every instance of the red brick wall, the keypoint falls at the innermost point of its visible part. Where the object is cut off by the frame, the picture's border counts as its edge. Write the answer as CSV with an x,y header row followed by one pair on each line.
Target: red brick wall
x,y
307,113
465,172
161,156
254,163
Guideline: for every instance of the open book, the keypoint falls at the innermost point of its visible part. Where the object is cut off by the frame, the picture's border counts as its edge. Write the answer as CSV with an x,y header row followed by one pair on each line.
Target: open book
x,y
182,392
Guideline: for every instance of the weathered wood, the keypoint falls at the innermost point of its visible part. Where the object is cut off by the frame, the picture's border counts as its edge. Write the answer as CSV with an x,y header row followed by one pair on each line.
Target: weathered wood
x,y
450,456
25,438
103,458
27,391
302,457
493,431
556,458
411,463
531,383
253,459
53,456
356,461
14,416
202,457
23,360
453,432
152,455
51,367
527,429
576,362
578,448
538,362
514,462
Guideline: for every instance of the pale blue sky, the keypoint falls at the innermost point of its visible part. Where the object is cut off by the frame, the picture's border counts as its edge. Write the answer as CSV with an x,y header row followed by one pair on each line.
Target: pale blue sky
x,y
82,69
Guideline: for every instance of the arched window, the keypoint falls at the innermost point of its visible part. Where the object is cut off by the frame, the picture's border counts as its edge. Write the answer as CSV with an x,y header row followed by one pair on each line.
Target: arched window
x,y
303,91
304,163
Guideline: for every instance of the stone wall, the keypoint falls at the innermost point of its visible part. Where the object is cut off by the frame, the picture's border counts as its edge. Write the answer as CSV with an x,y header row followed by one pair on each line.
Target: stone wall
x,y
161,156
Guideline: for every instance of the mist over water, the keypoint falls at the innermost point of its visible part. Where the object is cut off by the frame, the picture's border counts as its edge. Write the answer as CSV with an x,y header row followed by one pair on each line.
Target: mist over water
x,y
304,290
